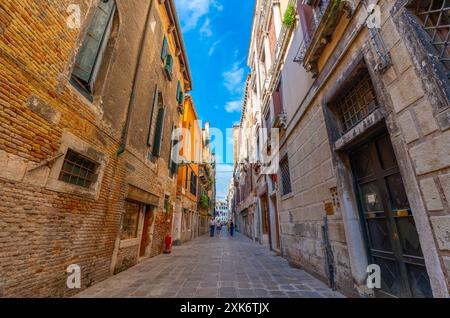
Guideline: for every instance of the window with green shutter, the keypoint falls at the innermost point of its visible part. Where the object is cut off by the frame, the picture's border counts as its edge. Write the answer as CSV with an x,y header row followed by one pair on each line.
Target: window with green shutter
x,y
157,144
90,55
180,94
173,157
168,66
164,49
157,101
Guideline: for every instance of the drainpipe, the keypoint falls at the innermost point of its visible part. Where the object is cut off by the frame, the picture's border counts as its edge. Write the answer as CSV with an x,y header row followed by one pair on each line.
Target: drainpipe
x,y
123,142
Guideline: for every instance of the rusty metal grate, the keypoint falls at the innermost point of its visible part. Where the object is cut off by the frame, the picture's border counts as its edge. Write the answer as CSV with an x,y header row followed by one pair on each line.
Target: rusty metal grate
x,y
435,19
78,170
285,176
358,102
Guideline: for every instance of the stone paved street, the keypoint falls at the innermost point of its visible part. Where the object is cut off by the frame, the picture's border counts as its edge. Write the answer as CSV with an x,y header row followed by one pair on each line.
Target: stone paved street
x,y
228,267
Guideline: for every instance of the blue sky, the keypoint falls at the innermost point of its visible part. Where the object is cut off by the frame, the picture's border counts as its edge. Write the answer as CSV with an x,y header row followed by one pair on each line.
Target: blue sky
x,y
216,34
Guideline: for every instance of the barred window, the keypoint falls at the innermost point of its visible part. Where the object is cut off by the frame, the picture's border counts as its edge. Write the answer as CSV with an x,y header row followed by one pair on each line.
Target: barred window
x,y
285,176
78,170
435,20
357,102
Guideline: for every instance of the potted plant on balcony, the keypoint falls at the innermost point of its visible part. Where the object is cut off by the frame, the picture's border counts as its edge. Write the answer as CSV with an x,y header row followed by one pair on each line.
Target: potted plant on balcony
x,y
290,16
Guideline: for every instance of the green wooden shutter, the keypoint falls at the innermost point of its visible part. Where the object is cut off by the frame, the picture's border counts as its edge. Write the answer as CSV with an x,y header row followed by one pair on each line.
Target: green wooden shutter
x,y
88,55
169,65
155,104
159,132
173,165
178,92
164,49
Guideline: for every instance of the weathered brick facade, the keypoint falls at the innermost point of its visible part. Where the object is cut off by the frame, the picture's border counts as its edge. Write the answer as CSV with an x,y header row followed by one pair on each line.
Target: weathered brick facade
x,y
46,225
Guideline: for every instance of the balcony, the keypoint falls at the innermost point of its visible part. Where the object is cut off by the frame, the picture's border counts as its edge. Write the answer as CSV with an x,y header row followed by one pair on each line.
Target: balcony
x,y
280,50
318,21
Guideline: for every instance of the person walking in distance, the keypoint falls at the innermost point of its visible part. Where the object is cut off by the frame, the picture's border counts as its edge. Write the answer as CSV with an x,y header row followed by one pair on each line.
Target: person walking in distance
x,y
219,227
231,228
212,225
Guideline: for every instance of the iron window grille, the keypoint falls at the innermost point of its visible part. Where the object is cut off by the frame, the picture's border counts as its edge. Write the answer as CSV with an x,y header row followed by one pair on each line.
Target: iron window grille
x,y
78,170
357,103
435,20
285,176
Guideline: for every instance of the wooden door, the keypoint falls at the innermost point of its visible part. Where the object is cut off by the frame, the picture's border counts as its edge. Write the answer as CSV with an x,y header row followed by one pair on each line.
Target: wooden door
x,y
391,233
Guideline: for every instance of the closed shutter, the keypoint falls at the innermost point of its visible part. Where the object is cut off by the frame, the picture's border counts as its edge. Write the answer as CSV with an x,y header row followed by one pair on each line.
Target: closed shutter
x,y
307,21
164,49
173,157
179,92
159,132
155,104
169,65
90,54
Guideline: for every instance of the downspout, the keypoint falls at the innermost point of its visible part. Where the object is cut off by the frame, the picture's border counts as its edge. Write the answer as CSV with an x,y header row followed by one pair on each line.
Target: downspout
x,y
124,136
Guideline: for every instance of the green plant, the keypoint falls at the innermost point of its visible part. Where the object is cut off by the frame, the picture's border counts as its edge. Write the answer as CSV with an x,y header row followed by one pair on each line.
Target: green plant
x,y
204,201
166,205
290,16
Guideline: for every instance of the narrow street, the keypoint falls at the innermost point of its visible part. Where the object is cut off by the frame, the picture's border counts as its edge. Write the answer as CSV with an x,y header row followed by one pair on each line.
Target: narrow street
x,y
223,266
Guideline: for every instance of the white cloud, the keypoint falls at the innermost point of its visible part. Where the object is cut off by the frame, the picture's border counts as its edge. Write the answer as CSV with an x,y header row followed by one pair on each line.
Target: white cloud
x,y
205,30
234,79
224,172
191,11
213,47
233,106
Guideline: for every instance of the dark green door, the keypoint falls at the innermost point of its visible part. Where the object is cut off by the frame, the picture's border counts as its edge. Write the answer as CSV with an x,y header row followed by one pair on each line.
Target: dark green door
x,y
392,238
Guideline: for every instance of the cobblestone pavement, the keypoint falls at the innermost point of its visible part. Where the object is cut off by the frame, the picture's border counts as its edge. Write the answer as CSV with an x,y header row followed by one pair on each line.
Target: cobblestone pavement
x,y
228,267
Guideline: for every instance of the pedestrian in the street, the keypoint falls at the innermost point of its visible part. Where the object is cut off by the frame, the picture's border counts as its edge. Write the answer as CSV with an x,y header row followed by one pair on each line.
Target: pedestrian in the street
x,y
219,227
212,226
231,228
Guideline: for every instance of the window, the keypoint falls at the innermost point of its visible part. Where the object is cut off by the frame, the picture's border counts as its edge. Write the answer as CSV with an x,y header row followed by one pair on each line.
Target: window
x,y
193,185
180,94
78,170
187,178
168,66
357,103
277,100
89,58
166,203
435,20
164,49
174,157
159,132
130,221
285,176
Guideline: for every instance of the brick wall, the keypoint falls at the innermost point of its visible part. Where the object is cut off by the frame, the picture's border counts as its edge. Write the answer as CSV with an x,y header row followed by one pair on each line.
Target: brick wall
x,y
43,230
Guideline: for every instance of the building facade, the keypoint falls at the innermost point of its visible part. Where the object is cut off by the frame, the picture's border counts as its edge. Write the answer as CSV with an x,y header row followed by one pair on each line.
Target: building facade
x,y
85,146
359,93
194,180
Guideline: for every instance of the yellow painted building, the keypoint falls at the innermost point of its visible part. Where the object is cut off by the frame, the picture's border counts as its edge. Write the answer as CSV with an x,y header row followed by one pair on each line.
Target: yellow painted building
x,y
186,219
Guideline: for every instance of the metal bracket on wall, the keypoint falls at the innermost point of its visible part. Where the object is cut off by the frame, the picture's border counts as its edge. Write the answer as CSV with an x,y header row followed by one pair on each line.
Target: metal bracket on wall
x,y
380,48
46,162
